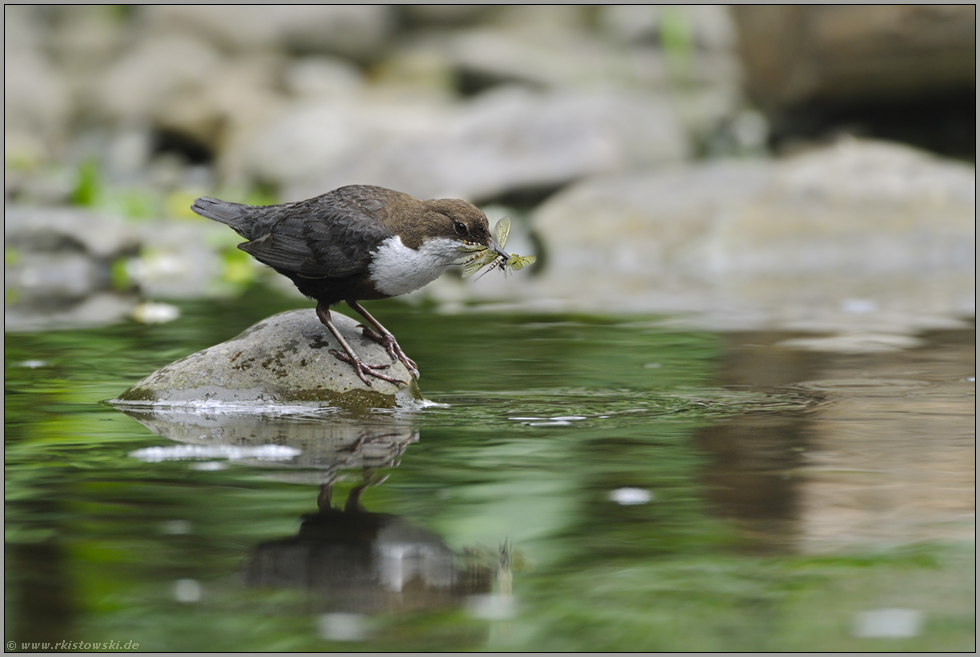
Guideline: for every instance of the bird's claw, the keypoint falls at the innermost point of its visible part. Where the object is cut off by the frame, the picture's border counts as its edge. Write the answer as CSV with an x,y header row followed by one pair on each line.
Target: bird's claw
x,y
363,368
393,348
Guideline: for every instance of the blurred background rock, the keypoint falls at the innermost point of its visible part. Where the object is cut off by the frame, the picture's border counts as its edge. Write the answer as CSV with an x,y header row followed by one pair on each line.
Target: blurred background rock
x,y
725,162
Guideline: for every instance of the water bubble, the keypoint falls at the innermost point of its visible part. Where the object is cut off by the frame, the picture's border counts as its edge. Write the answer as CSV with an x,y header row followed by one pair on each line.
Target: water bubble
x,y
343,627
155,313
863,343
888,624
630,496
230,452
175,527
209,466
187,590
492,607
859,306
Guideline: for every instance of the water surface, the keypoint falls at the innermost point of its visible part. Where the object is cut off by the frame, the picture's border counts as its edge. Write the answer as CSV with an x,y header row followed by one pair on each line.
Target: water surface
x,y
582,483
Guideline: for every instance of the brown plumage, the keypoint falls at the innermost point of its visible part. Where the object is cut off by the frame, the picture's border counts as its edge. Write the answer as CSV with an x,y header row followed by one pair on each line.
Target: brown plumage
x,y
354,243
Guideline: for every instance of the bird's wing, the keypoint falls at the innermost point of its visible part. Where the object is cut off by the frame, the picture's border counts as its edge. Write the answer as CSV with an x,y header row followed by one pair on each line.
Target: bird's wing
x,y
328,236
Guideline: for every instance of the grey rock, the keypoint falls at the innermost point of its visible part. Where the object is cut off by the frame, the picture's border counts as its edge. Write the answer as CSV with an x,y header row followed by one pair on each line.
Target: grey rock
x,y
36,104
443,15
67,253
534,20
147,76
322,77
235,97
357,32
181,260
579,59
708,27
282,360
553,59
506,141
26,315
314,139
56,275
85,38
48,230
856,208
862,236
23,28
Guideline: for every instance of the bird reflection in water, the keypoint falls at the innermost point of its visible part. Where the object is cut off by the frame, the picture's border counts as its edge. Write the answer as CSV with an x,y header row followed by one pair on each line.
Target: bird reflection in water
x,y
355,561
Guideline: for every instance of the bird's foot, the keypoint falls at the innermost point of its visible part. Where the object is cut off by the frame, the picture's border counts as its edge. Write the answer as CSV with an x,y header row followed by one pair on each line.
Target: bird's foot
x,y
365,369
387,340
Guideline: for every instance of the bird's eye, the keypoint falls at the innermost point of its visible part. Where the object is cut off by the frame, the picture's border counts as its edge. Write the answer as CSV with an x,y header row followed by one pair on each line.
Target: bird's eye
x,y
459,227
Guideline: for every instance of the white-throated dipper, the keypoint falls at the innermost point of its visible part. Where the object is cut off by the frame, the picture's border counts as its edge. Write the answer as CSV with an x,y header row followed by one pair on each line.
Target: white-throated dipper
x,y
355,243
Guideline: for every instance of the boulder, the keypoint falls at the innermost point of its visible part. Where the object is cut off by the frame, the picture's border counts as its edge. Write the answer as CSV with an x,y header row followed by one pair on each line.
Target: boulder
x,y
27,315
282,360
860,234
58,268
56,230
508,141
156,69
356,32
708,27
570,59
37,108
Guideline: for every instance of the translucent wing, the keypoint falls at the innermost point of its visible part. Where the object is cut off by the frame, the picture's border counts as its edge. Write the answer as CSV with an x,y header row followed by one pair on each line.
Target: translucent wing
x,y
517,262
479,261
501,230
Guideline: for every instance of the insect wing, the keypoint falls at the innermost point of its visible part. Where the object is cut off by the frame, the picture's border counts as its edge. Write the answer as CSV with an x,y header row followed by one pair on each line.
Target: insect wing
x,y
517,262
501,230
479,262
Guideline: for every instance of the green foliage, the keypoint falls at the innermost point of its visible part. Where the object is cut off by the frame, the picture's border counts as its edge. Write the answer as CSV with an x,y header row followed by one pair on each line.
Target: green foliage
x,y
119,274
140,202
677,37
88,185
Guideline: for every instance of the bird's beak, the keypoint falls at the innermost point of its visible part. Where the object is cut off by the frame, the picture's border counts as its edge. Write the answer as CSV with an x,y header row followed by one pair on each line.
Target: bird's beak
x,y
499,251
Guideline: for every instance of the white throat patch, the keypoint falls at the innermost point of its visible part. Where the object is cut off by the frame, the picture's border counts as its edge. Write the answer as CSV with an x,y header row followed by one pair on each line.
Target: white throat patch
x,y
398,269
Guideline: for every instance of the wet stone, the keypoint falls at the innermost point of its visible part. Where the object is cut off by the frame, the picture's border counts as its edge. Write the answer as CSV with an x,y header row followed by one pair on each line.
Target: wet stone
x,y
282,360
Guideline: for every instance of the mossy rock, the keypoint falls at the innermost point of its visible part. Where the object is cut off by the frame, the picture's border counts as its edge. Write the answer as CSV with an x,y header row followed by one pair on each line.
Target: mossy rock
x,y
282,360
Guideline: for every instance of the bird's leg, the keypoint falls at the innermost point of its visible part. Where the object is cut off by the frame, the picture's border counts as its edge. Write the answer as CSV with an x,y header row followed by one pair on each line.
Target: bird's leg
x,y
362,368
370,477
384,337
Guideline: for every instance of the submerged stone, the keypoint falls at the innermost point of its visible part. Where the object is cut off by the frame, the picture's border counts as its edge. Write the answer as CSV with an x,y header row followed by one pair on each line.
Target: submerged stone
x,y
282,360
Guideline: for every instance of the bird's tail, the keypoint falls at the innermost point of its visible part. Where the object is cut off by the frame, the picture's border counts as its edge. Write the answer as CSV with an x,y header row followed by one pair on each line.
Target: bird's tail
x,y
235,215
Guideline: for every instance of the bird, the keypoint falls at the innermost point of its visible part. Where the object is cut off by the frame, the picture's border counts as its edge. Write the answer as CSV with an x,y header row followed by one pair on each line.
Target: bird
x,y
356,243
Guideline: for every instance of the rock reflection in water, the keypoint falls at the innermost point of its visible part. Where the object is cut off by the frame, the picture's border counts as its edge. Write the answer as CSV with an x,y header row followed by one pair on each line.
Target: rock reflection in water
x,y
314,446
351,560
885,456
